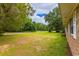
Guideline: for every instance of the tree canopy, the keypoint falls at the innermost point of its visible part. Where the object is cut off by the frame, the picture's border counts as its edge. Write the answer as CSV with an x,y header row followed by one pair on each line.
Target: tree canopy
x,y
54,20
13,16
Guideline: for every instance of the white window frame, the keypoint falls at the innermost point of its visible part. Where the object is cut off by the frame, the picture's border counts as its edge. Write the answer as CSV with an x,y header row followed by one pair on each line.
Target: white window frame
x,y
74,25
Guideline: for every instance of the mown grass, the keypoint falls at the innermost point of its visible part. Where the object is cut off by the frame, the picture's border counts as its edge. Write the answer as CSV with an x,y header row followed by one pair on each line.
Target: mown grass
x,y
33,44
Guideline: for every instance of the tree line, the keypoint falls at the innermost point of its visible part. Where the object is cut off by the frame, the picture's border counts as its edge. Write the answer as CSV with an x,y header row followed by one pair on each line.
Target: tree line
x,y
14,17
33,26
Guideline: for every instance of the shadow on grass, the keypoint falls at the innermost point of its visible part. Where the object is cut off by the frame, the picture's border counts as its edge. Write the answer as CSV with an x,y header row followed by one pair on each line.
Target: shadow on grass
x,y
5,39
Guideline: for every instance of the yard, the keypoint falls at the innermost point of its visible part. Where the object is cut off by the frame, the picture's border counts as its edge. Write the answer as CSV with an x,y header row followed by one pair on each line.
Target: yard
x,y
33,44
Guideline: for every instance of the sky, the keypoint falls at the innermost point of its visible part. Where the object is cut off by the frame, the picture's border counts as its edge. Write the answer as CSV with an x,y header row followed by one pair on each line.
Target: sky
x,y
41,10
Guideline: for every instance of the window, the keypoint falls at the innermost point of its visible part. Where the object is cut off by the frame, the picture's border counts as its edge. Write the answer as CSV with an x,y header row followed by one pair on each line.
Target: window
x,y
73,26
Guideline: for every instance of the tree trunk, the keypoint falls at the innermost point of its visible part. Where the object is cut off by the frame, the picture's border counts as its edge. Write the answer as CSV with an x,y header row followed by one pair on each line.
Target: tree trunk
x,y
57,31
49,30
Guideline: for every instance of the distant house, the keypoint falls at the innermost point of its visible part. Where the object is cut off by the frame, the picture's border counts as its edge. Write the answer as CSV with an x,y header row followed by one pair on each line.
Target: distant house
x,y
70,17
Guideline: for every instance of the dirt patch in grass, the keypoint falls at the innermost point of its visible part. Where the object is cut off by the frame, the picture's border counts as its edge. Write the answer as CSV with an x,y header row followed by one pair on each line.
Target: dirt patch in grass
x,y
31,45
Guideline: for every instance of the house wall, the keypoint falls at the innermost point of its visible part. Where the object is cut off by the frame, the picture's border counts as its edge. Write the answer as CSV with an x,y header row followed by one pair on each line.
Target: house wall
x,y
73,43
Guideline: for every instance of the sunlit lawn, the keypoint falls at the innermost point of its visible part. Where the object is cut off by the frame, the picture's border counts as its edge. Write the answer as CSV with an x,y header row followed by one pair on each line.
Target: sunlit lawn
x,y
33,43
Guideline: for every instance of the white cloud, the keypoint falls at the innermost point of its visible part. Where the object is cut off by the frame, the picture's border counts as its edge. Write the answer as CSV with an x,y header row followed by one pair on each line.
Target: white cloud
x,y
42,8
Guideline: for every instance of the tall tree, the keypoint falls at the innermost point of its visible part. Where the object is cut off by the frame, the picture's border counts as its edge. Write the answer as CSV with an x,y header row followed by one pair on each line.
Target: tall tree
x,y
13,16
54,20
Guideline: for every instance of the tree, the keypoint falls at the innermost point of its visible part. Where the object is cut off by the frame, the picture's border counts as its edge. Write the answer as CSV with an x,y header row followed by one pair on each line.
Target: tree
x,y
13,16
40,26
29,26
33,26
54,20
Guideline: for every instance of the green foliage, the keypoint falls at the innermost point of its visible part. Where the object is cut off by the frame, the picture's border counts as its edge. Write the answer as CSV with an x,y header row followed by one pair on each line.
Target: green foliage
x,y
13,16
40,26
33,26
54,20
29,26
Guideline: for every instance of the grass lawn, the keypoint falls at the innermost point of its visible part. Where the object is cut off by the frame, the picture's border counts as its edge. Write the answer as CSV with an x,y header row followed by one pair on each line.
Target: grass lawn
x,y
33,44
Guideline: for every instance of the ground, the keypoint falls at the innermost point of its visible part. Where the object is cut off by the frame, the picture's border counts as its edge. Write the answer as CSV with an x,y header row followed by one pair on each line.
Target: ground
x,y
33,44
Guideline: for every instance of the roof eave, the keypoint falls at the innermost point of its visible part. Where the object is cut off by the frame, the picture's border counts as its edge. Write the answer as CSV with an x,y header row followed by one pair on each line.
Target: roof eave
x,y
66,10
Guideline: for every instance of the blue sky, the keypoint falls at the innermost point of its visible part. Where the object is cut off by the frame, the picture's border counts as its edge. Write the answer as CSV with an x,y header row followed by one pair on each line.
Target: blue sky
x,y
41,10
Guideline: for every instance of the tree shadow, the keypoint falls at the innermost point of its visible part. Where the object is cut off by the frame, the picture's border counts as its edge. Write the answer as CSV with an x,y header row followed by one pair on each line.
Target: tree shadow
x,y
5,39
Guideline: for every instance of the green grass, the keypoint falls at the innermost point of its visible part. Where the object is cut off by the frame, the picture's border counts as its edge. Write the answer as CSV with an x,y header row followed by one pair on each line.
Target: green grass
x,y
33,44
